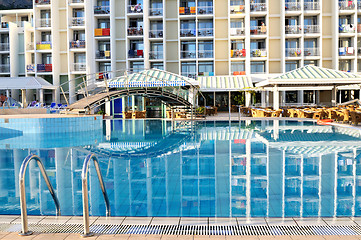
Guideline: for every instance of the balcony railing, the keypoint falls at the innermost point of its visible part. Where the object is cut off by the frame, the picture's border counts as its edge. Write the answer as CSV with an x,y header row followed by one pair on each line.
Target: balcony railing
x,y
237,9
190,74
293,52
77,1
205,32
206,74
346,51
312,29
42,2
238,53
135,9
311,6
101,10
4,68
155,55
77,44
258,53
45,22
77,21
311,52
187,32
258,7
205,53
156,12
346,5
188,54
102,55
155,33
44,67
259,30
236,31
187,10
293,29
293,6
30,68
135,53
79,67
99,32
135,31
346,28
43,46
205,10
4,47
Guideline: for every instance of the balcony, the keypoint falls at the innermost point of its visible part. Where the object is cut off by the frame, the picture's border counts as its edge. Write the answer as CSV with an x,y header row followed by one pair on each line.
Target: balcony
x,y
45,22
135,53
4,25
311,52
205,10
258,53
236,32
77,44
206,74
187,32
155,33
293,6
187,10
188,54
42,2
293,29
205,53
135,31
4,47
99,10
258,7
346,51
155,55
190,74
30,68
4,68
312,29
238,53
259,30
346,28
101,32
238,9
311,6
79,67
346,5
77,1
43,46
77,22
205,32
102,55
156,12
135,9
293,52
44,67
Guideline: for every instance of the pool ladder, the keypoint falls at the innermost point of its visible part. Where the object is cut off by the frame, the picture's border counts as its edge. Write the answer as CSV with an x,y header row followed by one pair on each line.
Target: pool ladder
x,y
24,217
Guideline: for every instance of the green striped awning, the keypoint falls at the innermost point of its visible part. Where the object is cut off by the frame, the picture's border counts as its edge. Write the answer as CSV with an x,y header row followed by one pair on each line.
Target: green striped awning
x,y
225,83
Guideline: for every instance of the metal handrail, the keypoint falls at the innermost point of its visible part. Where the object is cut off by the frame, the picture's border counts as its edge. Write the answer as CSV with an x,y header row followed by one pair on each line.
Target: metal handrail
x,y
84,178
24,215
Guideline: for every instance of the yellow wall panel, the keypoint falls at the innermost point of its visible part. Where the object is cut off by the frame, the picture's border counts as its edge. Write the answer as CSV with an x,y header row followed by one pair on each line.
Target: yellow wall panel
x,y
63,41
221,28
275,67
327,48
221,68
274,48
275,7
64,63
173,67
221,8
120,26
274,27
327,26
327,7
62,22
327,63
171,9
120,6
172,30
172,51
221,49
120,48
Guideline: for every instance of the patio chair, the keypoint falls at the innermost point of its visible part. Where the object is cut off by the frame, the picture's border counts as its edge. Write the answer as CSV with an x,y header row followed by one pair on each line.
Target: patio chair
x,y
140,114
277,113
128,114
355,117
319,115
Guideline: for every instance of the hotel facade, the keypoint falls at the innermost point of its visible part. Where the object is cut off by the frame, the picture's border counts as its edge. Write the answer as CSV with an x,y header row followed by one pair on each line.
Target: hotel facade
x,y
60,40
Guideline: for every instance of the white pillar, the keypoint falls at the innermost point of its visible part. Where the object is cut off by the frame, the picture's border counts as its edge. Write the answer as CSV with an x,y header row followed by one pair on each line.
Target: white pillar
x,y
276,98
7,93
300,97
23,97
248,99
41,95
263,99
334,96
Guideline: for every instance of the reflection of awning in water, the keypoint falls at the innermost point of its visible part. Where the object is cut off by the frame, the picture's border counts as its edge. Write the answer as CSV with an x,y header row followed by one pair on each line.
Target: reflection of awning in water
x,y
225,83
320,149
225,134
124,146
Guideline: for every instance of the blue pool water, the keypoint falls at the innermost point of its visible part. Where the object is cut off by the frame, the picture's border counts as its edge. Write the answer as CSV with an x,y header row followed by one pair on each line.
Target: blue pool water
x,y
160,168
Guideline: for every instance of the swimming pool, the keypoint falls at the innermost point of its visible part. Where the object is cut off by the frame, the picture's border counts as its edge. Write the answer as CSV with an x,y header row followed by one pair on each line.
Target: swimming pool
x,y
208,169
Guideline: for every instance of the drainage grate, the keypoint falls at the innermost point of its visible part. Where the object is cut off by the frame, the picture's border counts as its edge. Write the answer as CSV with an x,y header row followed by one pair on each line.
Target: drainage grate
x,y
188,230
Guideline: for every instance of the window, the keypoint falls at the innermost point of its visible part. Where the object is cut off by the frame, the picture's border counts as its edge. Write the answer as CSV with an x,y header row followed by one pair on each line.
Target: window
x,y
205,67
258,44
188,26
291,65
78,13
205,49
345,65
104,46
308,96
79,58
187,3
310,43
46,58
344,20
291,21
345,42
104,67
5,59
156,49
4,38
189,69
45,14
291,96
258,67
188,49
103,23
310,21
237,23
237,44
102,2
292,43
46,36
236,2
310,62
157,65
137,66
238,67
79,35
136,45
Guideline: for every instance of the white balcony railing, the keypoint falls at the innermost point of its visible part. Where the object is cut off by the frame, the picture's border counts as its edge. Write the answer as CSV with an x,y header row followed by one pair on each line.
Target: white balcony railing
x,y
155,33
205,53
293,6
188,32
236,31
188,54
77,21
77,1
311,29
156,12
77,67
258,52
99,10
4,47
347,28
135,9
311,52
259,30
155,55
205,32
45,22
346,51
311,6
238,53
293,29
42,2
293,52
237,9
190,74
202,10
258,7
135,31
346,5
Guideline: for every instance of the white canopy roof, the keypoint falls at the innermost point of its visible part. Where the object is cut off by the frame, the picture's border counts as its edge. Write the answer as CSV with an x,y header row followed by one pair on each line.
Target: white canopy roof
x,y
25,83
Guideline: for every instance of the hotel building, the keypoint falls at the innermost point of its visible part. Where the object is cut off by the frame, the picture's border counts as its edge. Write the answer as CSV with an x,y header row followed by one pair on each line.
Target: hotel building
x,y
60,40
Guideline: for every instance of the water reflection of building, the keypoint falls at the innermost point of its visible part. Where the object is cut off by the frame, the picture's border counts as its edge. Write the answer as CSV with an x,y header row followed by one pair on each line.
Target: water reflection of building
x,y
258,169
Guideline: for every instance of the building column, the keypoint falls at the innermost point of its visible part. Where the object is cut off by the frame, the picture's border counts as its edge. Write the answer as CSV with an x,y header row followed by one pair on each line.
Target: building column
x,y
7,93
263,99
276,98
41,95
23,97
334,96
300,97
15,94
248,99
